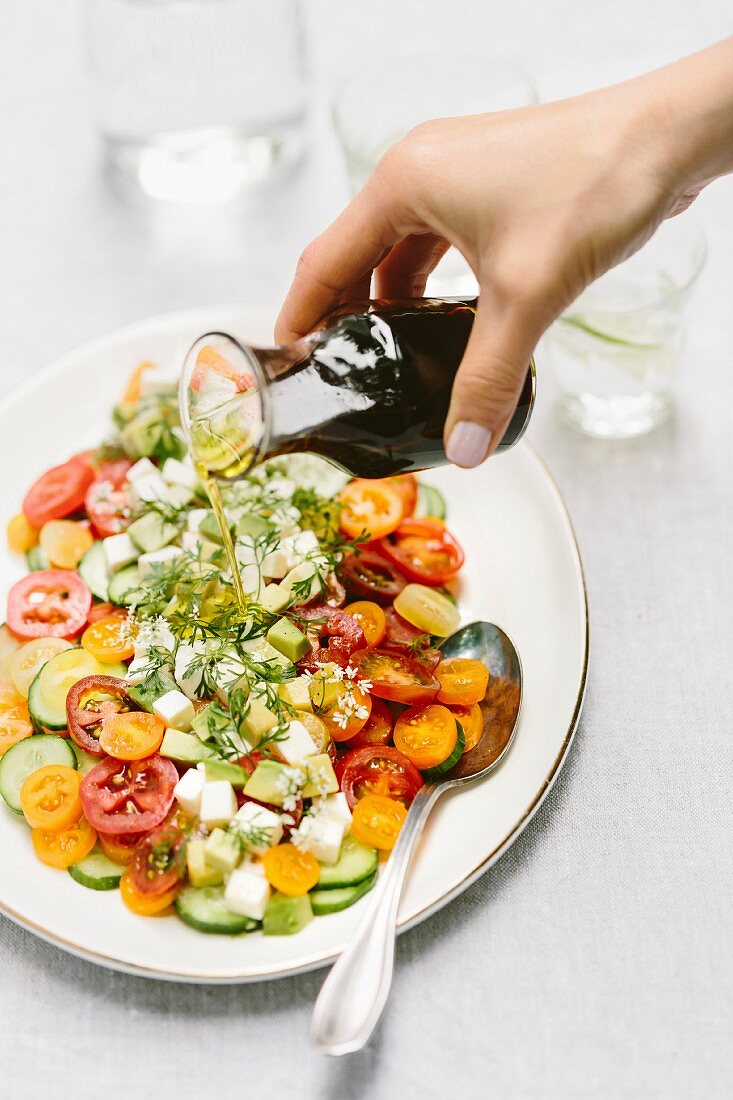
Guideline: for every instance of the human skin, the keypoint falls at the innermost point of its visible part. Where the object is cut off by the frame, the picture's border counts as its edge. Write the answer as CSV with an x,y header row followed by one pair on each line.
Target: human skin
x,y
541,201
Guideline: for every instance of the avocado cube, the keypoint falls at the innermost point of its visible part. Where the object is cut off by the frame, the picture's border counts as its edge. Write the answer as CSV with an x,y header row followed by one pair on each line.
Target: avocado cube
x,y
288,640
222,769
285,915
184,747
209,529
151,688
199,871
151,532
274,598
296,693
258,720
252,525
321,777
263,783
222,851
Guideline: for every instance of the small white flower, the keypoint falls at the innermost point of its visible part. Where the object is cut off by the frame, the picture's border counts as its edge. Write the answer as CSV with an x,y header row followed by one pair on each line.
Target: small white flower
x,y
366,686
351,672
340,719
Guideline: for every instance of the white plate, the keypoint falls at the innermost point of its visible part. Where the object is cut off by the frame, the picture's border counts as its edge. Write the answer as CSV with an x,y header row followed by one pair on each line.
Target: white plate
x,y
522,571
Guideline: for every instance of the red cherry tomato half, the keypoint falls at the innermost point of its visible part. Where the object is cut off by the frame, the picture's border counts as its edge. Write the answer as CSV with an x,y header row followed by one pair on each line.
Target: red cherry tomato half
x,y
48,603
158,861
378,728
343,634
369,576
407,639
87,705
122,797
58,492
423,550
108,499
378,770
395,676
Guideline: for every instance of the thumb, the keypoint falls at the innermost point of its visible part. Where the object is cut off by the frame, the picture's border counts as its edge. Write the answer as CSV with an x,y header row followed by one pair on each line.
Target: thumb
x,y
490,378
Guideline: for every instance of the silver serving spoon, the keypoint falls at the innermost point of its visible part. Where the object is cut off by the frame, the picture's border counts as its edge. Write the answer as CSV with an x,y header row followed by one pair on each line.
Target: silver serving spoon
x,y
355,992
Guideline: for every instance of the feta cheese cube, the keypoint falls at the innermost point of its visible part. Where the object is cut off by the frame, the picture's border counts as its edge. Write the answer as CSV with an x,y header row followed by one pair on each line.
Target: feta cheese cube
x,y
153,633
247,894
136,670
286,518
142,468
177,473
218,803
259,827
335,807
195,518
276,564
296,744
225,675
175,709
119,551
307,570
150,563
251,580
297,547
188,678
187,791
322,836
148,487
253,866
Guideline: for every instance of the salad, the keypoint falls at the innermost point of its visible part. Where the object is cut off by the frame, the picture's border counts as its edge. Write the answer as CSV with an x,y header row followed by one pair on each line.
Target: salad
x,y
250,769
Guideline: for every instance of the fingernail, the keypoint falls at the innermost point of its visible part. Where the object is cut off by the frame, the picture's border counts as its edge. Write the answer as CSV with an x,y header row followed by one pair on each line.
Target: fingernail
x,y
468,443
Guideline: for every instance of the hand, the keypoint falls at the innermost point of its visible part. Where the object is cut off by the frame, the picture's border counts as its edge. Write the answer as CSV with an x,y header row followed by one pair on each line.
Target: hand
x,y
540,201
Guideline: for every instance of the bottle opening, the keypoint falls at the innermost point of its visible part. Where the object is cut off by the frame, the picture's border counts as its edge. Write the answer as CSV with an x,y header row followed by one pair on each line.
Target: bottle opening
x,y
221,406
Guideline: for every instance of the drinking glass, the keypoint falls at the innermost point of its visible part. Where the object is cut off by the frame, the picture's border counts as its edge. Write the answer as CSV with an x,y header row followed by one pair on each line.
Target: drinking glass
x,y
617,349
196,100
376,107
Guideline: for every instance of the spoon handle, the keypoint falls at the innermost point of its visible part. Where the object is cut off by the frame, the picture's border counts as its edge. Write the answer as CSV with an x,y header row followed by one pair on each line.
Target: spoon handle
x,y
355,992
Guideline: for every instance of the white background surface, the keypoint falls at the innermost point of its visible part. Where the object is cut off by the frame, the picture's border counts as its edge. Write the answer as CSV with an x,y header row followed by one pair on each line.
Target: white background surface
x,y
595,959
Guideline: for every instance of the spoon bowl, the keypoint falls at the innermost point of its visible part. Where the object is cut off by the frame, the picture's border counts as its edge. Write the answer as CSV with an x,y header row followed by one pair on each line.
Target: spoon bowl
x,y
355,992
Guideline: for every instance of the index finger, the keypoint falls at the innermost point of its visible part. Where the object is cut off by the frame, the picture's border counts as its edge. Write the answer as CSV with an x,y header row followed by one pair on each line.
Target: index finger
x,y
347,252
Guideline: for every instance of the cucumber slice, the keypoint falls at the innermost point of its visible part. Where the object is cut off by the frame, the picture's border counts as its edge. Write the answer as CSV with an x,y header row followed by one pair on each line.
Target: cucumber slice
x,y
47,694
84,760
451,761
93,571
356,863
97,871
430,502
26,757
36,559
332,901
203,908
124,585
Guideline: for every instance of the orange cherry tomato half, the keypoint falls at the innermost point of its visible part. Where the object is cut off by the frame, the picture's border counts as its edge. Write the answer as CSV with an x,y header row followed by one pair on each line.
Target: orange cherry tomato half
x,y
131,735
50,603
49,798
62,847
462,681
423,550
120,849
291,871
105,611
21,536
109,640
348,713
406,484
427,736
472,721
65,542
371,619
15,721
375,507
377,821
145,905
58,492
378,727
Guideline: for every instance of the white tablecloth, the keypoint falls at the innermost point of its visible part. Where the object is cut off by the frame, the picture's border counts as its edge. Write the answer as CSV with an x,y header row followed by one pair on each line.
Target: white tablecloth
x,y
595,959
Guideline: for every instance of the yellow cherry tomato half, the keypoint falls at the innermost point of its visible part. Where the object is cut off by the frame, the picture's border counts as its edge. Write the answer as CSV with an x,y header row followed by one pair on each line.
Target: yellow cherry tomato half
x,y
316,728
427,609
22,537
109,640
371,619
426,735
291,871
15,721
27,661
65,542
377,821
472,721
462,680
49,798
63,847
145,905
131,735
376,507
